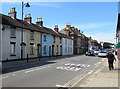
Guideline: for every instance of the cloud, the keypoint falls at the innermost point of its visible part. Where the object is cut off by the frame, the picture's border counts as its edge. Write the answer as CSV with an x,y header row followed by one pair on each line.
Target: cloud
x,y
105,37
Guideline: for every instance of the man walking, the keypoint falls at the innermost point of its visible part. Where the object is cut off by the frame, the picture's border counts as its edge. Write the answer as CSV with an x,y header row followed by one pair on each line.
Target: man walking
x,y
111,59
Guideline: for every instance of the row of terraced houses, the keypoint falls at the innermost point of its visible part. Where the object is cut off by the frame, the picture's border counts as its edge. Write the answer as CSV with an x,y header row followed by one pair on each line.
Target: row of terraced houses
x,y
22,38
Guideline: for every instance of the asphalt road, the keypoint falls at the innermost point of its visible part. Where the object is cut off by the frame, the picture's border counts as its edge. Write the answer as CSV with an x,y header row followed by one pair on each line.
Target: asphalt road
x,y
63,72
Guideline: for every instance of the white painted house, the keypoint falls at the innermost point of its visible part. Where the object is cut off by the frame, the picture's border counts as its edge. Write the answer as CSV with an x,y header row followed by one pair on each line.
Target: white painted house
x,y
11,37
67,45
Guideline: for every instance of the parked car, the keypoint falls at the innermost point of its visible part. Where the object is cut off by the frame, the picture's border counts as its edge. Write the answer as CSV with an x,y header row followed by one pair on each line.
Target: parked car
x,y
96,51
107,50
90,53
102,54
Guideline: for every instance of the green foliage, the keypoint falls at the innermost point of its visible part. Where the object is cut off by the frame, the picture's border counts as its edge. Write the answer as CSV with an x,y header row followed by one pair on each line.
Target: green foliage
x,y
107,45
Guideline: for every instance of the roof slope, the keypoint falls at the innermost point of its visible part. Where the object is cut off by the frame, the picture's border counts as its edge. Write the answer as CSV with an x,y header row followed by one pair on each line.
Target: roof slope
x,y
7,20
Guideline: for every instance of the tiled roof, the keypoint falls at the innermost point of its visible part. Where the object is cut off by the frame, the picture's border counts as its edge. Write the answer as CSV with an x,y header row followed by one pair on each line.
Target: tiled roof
x,y
7,20
72,31
51,31
65,36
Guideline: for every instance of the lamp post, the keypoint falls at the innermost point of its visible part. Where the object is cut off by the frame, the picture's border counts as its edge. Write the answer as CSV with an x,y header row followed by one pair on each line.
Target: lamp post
x,y
26,5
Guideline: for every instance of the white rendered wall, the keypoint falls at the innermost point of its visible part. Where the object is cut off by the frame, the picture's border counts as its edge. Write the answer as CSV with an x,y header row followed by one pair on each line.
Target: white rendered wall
x,y
6,43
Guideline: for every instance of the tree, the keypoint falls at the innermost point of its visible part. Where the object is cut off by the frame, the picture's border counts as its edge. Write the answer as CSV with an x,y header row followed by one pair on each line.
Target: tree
x,y
107,45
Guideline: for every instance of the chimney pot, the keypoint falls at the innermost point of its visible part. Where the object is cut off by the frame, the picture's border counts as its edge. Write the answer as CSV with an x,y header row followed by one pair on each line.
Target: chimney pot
x,y
12,10
28,18
39,19
12,13
56,28
39,22
27,15
68,25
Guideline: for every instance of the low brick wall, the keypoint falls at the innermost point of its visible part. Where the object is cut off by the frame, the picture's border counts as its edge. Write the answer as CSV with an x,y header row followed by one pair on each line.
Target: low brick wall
x,y
118,53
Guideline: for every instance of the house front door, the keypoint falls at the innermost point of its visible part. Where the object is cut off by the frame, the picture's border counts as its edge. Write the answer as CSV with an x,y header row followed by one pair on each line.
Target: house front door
x,y
38,50
23,51
50,51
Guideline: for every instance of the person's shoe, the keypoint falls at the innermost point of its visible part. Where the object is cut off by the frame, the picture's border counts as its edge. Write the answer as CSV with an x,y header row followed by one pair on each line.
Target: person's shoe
x,y
109,69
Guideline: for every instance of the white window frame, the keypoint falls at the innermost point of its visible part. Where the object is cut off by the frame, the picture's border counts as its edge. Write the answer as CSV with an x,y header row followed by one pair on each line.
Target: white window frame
x,y
12,48
45,38
12,33
31,35
44,49
31,49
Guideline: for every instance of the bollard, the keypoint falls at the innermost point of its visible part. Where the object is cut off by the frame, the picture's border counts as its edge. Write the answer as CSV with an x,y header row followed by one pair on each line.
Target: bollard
x,y
27,58
39,58
6,59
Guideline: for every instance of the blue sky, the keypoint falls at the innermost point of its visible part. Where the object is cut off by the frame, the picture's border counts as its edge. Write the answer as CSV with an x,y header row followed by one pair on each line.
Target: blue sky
x,y
96,19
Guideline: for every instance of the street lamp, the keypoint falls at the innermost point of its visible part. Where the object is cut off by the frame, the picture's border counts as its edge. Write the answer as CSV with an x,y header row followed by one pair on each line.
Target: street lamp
x,y
26,5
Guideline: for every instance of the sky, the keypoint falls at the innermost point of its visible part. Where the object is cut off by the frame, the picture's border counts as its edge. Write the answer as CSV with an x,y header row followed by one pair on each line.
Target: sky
x,y
95,19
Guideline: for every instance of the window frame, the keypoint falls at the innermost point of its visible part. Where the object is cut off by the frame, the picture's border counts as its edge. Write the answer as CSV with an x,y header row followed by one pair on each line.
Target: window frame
x,y
44,49
12,49
44,38
31,48
13,32
31,35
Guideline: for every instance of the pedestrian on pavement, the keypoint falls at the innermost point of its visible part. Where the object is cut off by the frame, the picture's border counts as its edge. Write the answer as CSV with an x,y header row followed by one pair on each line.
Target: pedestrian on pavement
x,y
111,58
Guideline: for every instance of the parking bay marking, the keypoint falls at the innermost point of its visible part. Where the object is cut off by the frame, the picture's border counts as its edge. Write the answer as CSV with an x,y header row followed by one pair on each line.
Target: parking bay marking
x,y
36,69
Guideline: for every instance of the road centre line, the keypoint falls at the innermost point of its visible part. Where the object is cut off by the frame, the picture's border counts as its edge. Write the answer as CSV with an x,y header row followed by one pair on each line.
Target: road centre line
x,y
36,69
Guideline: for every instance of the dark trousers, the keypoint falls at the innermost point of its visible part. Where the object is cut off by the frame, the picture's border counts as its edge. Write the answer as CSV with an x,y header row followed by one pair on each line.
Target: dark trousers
x,y
111,65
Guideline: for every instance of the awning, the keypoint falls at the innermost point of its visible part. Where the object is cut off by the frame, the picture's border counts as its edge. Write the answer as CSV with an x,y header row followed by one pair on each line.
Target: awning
x,y
118,45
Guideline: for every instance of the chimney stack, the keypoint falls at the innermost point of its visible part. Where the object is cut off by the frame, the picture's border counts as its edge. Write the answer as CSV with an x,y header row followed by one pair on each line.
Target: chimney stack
x,y
79,31
28,18
68,25
39,22
12,13
56,28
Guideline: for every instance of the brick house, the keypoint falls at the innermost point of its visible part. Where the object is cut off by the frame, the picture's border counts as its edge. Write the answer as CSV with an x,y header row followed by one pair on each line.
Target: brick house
x,y
80,41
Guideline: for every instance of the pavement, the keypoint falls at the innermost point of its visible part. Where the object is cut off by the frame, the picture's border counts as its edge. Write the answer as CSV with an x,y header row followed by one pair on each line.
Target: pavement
x,y
104,78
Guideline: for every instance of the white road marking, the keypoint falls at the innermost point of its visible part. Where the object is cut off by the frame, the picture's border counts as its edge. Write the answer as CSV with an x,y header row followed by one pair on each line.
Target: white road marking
x,y
88,65
72,67
79,80
67,64
59,86
13,75
78,65
5,77
77,69
90,72
36,69
75,80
